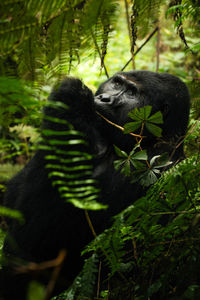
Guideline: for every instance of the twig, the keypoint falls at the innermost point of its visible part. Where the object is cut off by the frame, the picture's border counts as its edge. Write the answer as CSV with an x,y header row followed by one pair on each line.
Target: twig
x,y
158,50
118,126
55,274
55,263
134,249
43,265
99,52
129,29
99,280
140,48
90,223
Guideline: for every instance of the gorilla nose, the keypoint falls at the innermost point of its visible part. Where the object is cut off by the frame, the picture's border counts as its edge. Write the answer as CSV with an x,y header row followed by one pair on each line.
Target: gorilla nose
x,y
103,97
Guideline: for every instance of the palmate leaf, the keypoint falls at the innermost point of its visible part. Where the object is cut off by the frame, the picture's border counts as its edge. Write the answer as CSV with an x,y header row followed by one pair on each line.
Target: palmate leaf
x,y
142,116
147,176
128,161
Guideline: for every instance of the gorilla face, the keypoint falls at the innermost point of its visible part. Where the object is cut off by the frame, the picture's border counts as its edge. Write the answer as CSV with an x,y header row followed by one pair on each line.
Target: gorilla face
x,y
117,97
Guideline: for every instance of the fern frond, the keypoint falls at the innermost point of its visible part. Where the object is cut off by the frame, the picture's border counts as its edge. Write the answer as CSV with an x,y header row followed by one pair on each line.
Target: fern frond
x,y
48,35
69,168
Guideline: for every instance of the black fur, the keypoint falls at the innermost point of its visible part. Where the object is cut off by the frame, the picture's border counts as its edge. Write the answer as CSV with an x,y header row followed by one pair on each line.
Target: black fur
x,y
53,224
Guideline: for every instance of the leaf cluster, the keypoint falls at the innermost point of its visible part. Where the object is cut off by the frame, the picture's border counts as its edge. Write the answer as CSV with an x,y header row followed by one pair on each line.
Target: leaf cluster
x,y
136,164
154,244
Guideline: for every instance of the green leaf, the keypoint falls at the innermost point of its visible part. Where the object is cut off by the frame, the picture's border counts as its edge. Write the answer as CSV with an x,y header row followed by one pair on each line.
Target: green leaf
x,y
146,111
153,160
154,129
120,153
148,178
141,155
88,203
156,118
15,214
138,165
118,164
132,126
140,114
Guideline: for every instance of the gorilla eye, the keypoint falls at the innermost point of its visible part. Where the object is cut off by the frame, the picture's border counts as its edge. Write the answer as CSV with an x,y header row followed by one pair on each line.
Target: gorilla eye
x,y
117,82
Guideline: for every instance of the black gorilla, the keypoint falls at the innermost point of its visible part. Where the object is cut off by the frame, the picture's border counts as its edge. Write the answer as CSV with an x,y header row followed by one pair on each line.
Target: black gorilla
x,y
53,224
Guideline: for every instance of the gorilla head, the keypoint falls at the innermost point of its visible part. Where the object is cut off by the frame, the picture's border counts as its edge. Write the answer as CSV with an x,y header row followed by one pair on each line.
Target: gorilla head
x,y
164,92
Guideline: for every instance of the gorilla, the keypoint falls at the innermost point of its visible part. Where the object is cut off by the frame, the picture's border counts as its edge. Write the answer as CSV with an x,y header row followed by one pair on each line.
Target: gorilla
x,y
51,223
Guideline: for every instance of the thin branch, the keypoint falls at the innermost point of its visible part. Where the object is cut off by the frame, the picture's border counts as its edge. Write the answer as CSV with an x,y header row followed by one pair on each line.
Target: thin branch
x,y
55,274
140,48
90,223
32,266
129,29
158,50
99,52
118,126
99,279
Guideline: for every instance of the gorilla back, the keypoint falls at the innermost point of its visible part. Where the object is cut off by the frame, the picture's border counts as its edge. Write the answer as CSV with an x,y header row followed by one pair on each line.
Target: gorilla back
x,y
52,224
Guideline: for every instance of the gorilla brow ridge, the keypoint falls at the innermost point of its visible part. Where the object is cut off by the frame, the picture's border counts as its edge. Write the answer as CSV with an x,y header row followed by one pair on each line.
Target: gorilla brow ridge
x,y
129,79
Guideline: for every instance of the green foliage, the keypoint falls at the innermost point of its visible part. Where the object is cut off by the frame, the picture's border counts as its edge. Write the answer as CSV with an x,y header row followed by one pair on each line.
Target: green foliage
x,y
8,170
83,286
69,169
28,29
141,116
148,174
130,164
128,161
16,101
154,243
18,106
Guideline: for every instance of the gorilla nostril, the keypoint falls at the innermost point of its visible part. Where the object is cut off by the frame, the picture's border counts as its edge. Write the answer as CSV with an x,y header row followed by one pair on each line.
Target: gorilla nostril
x,y
103,97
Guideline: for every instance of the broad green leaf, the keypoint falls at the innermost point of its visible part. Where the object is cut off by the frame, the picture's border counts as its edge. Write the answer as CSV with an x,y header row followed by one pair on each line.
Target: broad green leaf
x,y
126,168
148,178
132,126
141,155
134,114
160,161
156,118
118,164
153,160
120,153
154,129
146,111
138,165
